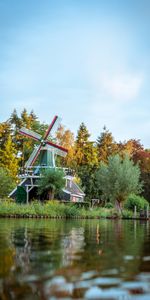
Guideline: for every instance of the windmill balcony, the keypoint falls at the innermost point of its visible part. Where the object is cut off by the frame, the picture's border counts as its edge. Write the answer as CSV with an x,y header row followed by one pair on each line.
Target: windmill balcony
x,y
35,171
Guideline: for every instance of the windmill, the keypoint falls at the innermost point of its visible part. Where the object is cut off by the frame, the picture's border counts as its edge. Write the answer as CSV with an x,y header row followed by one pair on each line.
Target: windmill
x,y
46,151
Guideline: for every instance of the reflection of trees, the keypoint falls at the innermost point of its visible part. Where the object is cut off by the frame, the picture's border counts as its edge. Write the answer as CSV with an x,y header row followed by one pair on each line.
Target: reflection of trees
x,y
40,249
112,245
145,261
7,250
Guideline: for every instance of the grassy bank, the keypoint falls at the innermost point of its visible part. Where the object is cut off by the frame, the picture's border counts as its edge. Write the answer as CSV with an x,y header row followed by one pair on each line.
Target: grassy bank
x,y
56,210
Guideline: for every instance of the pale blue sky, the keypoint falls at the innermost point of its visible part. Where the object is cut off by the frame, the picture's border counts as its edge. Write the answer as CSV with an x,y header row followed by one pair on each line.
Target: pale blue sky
x,y
83,60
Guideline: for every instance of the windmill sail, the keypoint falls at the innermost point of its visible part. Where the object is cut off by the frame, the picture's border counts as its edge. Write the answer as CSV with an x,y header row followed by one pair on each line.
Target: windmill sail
x,y
33,156
62,149
56,151
36,136
53,126
45,143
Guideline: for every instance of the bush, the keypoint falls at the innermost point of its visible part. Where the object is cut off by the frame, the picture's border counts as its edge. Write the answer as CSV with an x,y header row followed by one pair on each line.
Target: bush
x,y
127,214
134,200
109,205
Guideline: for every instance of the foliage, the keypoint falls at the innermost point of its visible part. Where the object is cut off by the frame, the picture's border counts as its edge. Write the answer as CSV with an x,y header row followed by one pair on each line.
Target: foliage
x,y
83,156
89,183
145,176
85,152
5,132
85,161
127,214
143,158
8,158
134,200
24,146
52,181
130,148
109,205
106,145
7,183
53,209
65,138
118,179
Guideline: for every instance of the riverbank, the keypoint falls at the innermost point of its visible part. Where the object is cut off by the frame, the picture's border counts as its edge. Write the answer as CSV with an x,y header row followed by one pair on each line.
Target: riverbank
x,y
53,209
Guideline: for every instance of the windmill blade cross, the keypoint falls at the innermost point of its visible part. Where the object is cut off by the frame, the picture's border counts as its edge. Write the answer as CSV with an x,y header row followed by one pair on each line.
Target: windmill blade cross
x,y
30,133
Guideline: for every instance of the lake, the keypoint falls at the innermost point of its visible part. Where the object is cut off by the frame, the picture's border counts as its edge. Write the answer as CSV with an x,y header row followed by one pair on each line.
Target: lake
x,y
74,259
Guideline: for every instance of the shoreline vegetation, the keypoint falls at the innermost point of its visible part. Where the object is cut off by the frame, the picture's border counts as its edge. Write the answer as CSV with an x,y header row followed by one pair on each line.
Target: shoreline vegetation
x,y
55,209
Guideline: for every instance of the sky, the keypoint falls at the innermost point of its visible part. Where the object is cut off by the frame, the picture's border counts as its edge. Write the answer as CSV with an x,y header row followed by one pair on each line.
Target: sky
x,y
86,61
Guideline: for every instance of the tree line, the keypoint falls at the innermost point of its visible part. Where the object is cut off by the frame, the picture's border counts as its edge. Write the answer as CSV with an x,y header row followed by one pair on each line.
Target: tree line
x,y
84,156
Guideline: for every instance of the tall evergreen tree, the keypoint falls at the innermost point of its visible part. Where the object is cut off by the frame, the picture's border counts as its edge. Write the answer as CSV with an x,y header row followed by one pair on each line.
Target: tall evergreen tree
x,y
85,160
16,123
85,152
106,145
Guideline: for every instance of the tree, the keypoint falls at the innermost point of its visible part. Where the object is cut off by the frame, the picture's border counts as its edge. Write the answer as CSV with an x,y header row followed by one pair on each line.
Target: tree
x,y
85,160
65,138
106,145
89,183
131,147
119,179
142,157
5,131
7,183
85,152
8,157
51,182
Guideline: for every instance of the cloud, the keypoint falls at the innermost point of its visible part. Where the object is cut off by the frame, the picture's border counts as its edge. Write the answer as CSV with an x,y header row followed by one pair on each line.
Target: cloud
x,y
123,86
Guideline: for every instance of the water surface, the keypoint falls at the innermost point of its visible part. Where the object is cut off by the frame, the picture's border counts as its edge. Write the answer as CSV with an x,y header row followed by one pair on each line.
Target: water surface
x,y
72,259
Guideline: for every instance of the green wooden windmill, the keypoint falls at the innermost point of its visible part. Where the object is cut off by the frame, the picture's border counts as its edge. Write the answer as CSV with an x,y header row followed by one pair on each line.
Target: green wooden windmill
x,y
46,151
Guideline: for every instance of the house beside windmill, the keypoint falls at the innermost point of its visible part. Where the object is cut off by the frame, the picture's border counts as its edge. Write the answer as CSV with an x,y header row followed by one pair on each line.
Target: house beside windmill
x,y
43,157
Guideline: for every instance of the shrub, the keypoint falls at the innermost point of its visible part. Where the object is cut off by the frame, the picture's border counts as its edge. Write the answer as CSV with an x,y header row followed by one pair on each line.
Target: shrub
x,y
109,205
134,200
127,213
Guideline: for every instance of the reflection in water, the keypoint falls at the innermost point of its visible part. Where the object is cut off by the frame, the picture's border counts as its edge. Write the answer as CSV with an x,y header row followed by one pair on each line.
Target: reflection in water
x,y
71,246
74,259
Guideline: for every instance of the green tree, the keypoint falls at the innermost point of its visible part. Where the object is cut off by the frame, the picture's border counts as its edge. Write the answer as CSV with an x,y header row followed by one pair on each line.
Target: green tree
x,y
85,160
51,182
7,183
106,145
119,179
8,158
89,182
85,152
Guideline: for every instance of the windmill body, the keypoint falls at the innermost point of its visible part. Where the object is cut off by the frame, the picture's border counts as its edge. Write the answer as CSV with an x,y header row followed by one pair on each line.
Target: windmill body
x,y
43,156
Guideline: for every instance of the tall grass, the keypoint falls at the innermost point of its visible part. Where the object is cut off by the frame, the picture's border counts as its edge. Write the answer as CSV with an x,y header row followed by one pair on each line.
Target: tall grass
x,y
55,209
